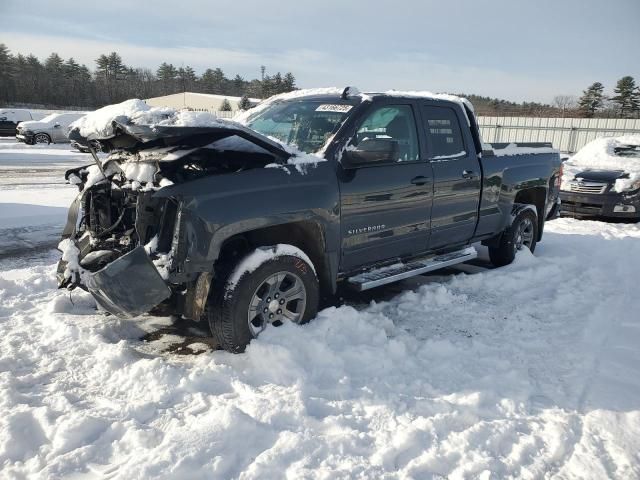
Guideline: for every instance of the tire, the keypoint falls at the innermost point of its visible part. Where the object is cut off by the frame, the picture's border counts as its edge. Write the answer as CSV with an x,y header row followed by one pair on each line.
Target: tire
x,y
228,307
514,239
41,138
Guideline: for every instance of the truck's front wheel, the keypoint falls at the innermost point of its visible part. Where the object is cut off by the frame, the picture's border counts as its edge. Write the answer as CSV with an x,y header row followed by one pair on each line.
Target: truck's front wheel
x,y
522,233
264,290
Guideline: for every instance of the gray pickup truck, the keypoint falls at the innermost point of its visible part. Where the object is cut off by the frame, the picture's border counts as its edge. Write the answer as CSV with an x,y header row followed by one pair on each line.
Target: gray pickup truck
x,y
251,224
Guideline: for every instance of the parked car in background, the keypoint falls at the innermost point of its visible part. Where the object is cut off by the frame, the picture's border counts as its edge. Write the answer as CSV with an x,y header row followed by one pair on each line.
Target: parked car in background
x,y
51,129
9,120
225,224
603,180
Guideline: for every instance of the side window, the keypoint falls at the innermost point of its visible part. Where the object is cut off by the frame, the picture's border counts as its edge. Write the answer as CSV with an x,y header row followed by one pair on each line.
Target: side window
x,y
394,123
443,133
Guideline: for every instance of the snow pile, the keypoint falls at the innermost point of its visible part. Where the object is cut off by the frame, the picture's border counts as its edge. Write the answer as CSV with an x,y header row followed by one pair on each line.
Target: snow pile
x,y
599,155
514,149
99,124
528,371
70,254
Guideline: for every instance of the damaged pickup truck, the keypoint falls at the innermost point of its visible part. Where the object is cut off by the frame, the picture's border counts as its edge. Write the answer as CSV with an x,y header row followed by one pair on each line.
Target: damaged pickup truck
x,y
246,225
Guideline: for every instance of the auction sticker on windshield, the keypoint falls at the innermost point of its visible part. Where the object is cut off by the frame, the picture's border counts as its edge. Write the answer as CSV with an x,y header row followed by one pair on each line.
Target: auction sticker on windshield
x,y
326,107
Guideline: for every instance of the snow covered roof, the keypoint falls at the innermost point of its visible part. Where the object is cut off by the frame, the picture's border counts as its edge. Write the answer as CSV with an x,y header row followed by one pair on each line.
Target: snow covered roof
x,y
211,96
243,117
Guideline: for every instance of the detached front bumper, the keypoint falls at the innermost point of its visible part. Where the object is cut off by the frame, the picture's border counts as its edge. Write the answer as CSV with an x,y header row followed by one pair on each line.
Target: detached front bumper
x,y
612,205
129,286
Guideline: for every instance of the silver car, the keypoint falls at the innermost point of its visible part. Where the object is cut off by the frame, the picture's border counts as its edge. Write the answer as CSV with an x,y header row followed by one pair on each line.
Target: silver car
x,y
51,129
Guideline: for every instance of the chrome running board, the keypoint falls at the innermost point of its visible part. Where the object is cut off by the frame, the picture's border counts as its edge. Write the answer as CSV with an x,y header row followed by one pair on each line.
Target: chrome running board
x,y
400,271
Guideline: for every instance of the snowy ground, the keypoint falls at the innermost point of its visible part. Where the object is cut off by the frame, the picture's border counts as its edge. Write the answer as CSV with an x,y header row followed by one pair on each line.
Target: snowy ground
x,y
528,371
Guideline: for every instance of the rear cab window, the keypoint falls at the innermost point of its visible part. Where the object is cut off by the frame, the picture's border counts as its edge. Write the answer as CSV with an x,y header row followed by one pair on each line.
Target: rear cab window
x,y
443,132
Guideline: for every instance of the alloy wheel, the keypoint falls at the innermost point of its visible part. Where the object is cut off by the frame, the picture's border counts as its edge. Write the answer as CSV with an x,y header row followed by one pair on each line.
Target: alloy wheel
x,y
279,298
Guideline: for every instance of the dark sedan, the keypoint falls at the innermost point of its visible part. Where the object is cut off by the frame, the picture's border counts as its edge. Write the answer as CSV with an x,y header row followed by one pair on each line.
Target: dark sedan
x,y
598,193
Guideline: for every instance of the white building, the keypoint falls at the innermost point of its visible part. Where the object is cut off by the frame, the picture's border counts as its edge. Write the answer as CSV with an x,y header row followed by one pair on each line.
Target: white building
x,y
200,102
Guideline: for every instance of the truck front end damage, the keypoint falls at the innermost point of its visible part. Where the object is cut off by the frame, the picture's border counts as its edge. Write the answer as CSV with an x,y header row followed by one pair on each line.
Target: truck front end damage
x,y
124,242
118,242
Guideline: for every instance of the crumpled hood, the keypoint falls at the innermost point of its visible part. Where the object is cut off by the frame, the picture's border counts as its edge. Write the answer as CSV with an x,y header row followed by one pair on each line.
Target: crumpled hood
x,y
134,126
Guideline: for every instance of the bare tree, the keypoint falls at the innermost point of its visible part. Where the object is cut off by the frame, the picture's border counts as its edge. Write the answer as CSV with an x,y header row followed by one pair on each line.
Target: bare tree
x,y
565,102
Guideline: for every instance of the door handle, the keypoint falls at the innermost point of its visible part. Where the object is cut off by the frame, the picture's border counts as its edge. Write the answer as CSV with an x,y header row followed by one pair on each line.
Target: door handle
x,y
420,180
469,174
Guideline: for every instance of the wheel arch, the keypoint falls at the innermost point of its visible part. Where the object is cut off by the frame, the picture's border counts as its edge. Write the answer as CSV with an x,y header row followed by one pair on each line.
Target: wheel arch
x,y
536,196
307,235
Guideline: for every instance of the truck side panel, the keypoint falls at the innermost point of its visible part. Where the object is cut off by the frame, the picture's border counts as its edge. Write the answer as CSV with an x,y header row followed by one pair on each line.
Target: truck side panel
x,y
503,178
219,207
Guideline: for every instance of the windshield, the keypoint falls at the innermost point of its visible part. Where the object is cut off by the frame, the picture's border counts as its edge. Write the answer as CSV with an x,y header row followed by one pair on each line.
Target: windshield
x,y
307,125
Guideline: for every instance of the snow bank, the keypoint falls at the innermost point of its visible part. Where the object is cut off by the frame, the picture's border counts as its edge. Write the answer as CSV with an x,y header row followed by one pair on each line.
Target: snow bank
x,y
599,155
527,371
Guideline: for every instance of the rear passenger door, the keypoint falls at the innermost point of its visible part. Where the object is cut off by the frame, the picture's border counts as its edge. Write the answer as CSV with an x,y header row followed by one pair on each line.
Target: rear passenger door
x,y
456,173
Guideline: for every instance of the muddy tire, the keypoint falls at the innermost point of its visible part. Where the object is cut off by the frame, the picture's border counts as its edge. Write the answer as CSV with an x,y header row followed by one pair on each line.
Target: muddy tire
x,y
281,289
522,233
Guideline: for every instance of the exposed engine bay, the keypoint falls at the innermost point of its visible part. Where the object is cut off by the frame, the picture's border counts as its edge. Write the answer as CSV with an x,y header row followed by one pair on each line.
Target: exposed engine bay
x,y
119,222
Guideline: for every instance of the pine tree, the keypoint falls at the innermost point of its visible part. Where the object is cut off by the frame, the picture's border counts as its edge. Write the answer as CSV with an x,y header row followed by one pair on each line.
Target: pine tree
x,y
237,85
244,103
6,68
212,81
187,79
53,67
226,106
166,75
627,98
289,82
592,99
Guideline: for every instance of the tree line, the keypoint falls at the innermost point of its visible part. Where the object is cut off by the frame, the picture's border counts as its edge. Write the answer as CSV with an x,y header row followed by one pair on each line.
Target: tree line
x,y
624,103
56,82
24,79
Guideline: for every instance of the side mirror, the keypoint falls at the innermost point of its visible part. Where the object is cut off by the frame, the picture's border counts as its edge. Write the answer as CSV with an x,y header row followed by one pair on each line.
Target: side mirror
x,y
369,151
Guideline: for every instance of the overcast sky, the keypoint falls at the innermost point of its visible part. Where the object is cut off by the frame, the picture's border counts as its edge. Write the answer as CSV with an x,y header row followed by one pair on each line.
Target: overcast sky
x,y
514,49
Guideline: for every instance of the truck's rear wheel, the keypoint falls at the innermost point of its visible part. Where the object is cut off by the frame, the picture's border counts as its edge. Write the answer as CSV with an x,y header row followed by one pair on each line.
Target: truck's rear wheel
x,y
283,288
522,233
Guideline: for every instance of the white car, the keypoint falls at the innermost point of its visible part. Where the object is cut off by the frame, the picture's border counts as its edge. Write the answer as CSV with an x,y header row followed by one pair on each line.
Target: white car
x,y
51,129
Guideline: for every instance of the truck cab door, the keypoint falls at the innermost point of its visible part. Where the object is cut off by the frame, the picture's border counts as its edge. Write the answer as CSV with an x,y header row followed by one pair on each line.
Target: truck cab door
x,y
385,202
457,175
